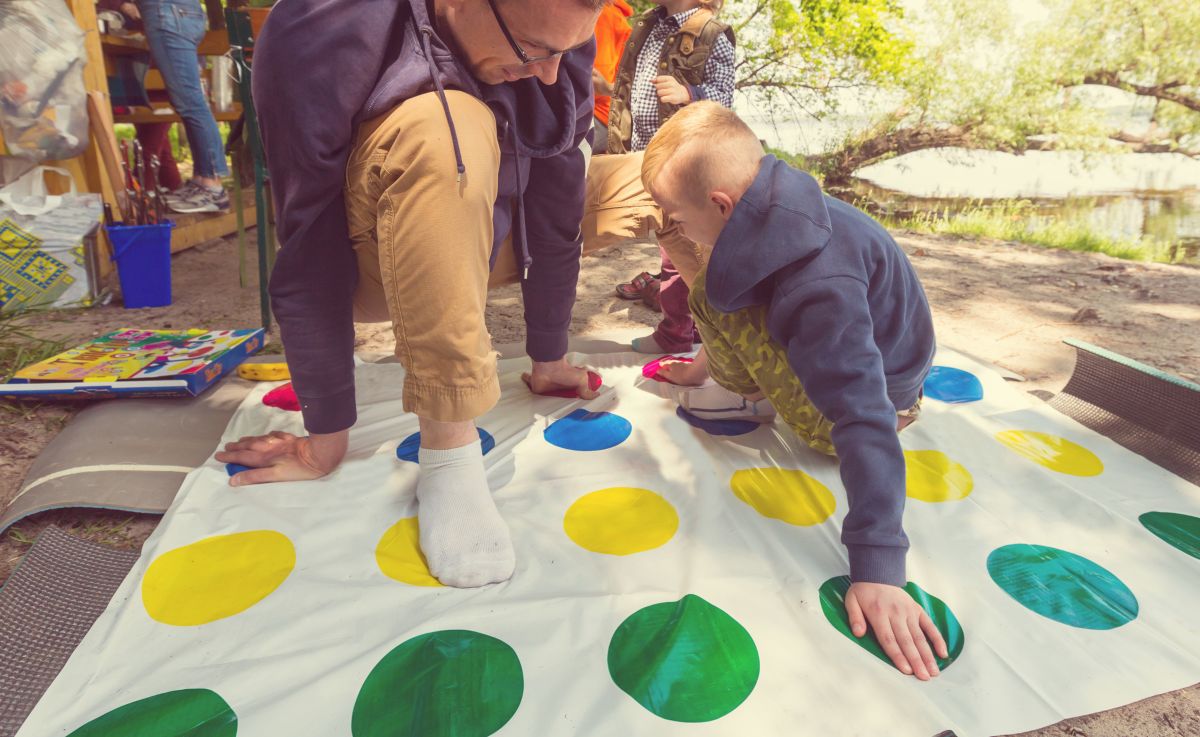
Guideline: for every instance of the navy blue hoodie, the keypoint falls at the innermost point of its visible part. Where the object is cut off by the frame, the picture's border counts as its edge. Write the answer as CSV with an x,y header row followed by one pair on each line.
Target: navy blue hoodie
x,y
844,301
323,66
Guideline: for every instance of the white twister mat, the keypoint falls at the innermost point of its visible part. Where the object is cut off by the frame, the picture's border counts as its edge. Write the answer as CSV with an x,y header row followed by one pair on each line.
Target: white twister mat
x,y
668,582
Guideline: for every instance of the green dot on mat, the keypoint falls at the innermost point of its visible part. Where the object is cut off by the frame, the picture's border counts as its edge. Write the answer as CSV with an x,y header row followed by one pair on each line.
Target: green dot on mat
x,y
1062,586
195,712
686,660
1181,531
833,603
451,683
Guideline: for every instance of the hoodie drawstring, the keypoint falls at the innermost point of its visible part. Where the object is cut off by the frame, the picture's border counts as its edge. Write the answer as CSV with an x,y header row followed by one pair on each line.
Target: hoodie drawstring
x,y
520,241
426,33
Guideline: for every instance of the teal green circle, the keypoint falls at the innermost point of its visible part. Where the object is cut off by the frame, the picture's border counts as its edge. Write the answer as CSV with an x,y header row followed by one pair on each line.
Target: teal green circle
x,y
686,660
193,712
1062,586
452,683
833,603
1180,531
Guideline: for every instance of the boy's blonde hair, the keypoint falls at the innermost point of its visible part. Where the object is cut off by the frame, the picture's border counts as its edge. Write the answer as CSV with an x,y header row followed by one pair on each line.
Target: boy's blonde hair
x,y
710,147
713,6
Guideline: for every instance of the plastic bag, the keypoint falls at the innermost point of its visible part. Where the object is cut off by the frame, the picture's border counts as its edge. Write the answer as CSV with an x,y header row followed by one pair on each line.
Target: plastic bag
x,y
43,103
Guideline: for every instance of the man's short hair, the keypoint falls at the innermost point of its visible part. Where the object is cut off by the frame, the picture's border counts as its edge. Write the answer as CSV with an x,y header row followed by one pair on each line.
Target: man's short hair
x,y
711,147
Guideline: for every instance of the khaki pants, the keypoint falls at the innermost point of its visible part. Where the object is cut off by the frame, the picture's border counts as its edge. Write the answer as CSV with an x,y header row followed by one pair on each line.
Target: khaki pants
x,y
619,209
423,241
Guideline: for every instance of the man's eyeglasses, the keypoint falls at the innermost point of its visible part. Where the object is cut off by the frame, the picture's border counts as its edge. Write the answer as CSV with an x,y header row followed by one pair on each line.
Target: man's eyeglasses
x,y
525,58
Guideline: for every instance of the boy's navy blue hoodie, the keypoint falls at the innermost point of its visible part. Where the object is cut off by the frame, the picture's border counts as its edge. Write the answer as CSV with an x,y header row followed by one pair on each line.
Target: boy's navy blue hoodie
x,y
844,301
323,66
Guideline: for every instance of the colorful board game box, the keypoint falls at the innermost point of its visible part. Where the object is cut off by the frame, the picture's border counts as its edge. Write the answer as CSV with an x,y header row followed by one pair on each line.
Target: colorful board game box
x,y
137,363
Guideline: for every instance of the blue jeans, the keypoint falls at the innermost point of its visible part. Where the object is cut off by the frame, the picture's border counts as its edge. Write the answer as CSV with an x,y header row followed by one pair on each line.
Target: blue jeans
x,y
174,29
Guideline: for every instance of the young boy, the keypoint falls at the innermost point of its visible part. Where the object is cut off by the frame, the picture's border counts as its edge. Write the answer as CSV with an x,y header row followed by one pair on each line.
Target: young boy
x,y
808,308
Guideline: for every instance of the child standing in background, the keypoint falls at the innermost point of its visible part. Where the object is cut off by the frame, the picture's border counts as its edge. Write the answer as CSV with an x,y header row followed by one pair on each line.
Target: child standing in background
x,y
678,53
612,31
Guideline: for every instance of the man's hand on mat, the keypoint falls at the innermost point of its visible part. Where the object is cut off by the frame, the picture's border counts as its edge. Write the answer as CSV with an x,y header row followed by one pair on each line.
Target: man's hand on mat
x,y
282,456
903,629
550,376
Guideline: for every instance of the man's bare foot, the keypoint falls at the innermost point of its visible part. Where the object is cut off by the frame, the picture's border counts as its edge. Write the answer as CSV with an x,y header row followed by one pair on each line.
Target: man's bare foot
x,y
548,377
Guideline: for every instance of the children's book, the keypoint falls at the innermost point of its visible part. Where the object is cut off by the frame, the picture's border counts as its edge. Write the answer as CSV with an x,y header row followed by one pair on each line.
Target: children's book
x,y
139,363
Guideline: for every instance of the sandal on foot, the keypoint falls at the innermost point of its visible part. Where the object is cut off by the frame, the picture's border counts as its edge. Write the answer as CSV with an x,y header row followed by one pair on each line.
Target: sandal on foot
x,y
635,288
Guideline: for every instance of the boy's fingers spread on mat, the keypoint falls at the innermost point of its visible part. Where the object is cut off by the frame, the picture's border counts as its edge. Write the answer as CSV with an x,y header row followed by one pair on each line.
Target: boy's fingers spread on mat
x,y
887,641
911,653
934,635
858,623
914,626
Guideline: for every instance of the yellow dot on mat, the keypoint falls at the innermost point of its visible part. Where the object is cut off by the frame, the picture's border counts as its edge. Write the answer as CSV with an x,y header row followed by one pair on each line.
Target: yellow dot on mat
x,y
399,554
791,496
932,476
216,577
621,521
1053,452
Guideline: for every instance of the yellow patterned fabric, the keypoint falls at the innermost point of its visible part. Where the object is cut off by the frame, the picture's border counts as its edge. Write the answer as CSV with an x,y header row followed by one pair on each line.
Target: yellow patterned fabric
x,y
28,275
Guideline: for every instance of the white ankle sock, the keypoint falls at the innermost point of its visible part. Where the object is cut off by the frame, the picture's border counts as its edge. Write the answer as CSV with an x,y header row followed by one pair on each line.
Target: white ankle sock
x,y
463,536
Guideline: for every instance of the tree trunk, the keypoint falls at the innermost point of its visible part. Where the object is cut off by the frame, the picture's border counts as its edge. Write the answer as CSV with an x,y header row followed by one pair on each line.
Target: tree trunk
x,y
839,166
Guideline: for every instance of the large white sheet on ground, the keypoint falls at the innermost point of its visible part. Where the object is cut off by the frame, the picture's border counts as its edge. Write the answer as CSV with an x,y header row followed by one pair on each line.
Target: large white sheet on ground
x,y
294,662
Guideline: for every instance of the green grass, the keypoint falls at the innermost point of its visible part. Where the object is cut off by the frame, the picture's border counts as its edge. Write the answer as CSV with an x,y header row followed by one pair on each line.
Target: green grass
x,y
19,347
1017,221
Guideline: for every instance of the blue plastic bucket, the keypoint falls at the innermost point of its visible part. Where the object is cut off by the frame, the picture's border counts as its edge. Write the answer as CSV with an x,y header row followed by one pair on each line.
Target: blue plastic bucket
x,y
143,256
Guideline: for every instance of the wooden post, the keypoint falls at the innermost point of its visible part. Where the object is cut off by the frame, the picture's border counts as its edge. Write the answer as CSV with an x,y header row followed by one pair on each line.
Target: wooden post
x,y
88,170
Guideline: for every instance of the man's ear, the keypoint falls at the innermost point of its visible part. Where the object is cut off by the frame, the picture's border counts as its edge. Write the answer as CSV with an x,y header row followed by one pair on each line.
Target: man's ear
x,y
723,202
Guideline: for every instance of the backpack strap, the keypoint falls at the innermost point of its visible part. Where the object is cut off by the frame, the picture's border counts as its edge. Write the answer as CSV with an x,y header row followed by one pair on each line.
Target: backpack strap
x,y
692,28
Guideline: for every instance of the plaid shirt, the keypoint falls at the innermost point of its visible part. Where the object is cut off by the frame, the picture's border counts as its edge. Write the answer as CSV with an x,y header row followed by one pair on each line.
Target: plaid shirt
x,y
717,84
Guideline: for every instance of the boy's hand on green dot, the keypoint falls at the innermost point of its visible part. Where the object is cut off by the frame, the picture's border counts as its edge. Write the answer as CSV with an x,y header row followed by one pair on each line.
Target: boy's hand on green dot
x,y
903,629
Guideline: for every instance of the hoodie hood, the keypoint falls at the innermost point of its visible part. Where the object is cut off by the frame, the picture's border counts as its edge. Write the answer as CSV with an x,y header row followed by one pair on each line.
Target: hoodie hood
x,y
780,220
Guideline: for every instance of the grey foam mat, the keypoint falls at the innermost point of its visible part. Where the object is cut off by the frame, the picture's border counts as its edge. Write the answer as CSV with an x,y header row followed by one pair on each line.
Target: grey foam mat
x,y
46,607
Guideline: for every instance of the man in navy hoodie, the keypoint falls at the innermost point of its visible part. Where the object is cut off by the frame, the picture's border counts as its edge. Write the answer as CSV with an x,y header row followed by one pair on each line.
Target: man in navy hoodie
x,y
407,140
808,309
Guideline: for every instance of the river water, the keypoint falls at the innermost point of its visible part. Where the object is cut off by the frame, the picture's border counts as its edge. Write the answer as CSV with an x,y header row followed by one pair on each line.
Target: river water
x,y
1120,195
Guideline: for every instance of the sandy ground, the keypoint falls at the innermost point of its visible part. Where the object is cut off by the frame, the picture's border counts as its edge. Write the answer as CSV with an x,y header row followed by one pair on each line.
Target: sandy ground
x,y
1007,304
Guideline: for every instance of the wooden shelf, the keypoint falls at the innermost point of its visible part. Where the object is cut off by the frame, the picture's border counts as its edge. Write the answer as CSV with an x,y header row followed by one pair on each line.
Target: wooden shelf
x,y
215,43
192,230
142,115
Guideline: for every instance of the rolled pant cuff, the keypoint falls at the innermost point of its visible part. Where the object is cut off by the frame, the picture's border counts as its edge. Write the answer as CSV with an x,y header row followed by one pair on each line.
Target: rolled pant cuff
x,y
450,403
545,345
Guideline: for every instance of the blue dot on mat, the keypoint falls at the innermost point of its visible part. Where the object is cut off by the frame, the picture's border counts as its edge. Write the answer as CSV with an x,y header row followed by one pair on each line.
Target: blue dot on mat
x,y
1062,586
408,449
717,427
955,386
583,430
232,468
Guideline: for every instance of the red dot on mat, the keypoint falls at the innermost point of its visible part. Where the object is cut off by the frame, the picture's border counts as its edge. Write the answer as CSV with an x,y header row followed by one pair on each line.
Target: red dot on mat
x,y
282,397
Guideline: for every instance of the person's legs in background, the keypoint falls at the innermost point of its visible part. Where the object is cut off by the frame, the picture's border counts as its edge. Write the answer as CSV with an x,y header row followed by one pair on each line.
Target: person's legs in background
x,y
618,209
676,332
156,141
174,29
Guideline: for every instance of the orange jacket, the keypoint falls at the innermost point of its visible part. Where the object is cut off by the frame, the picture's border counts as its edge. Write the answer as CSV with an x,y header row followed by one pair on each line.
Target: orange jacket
x,y
612,31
